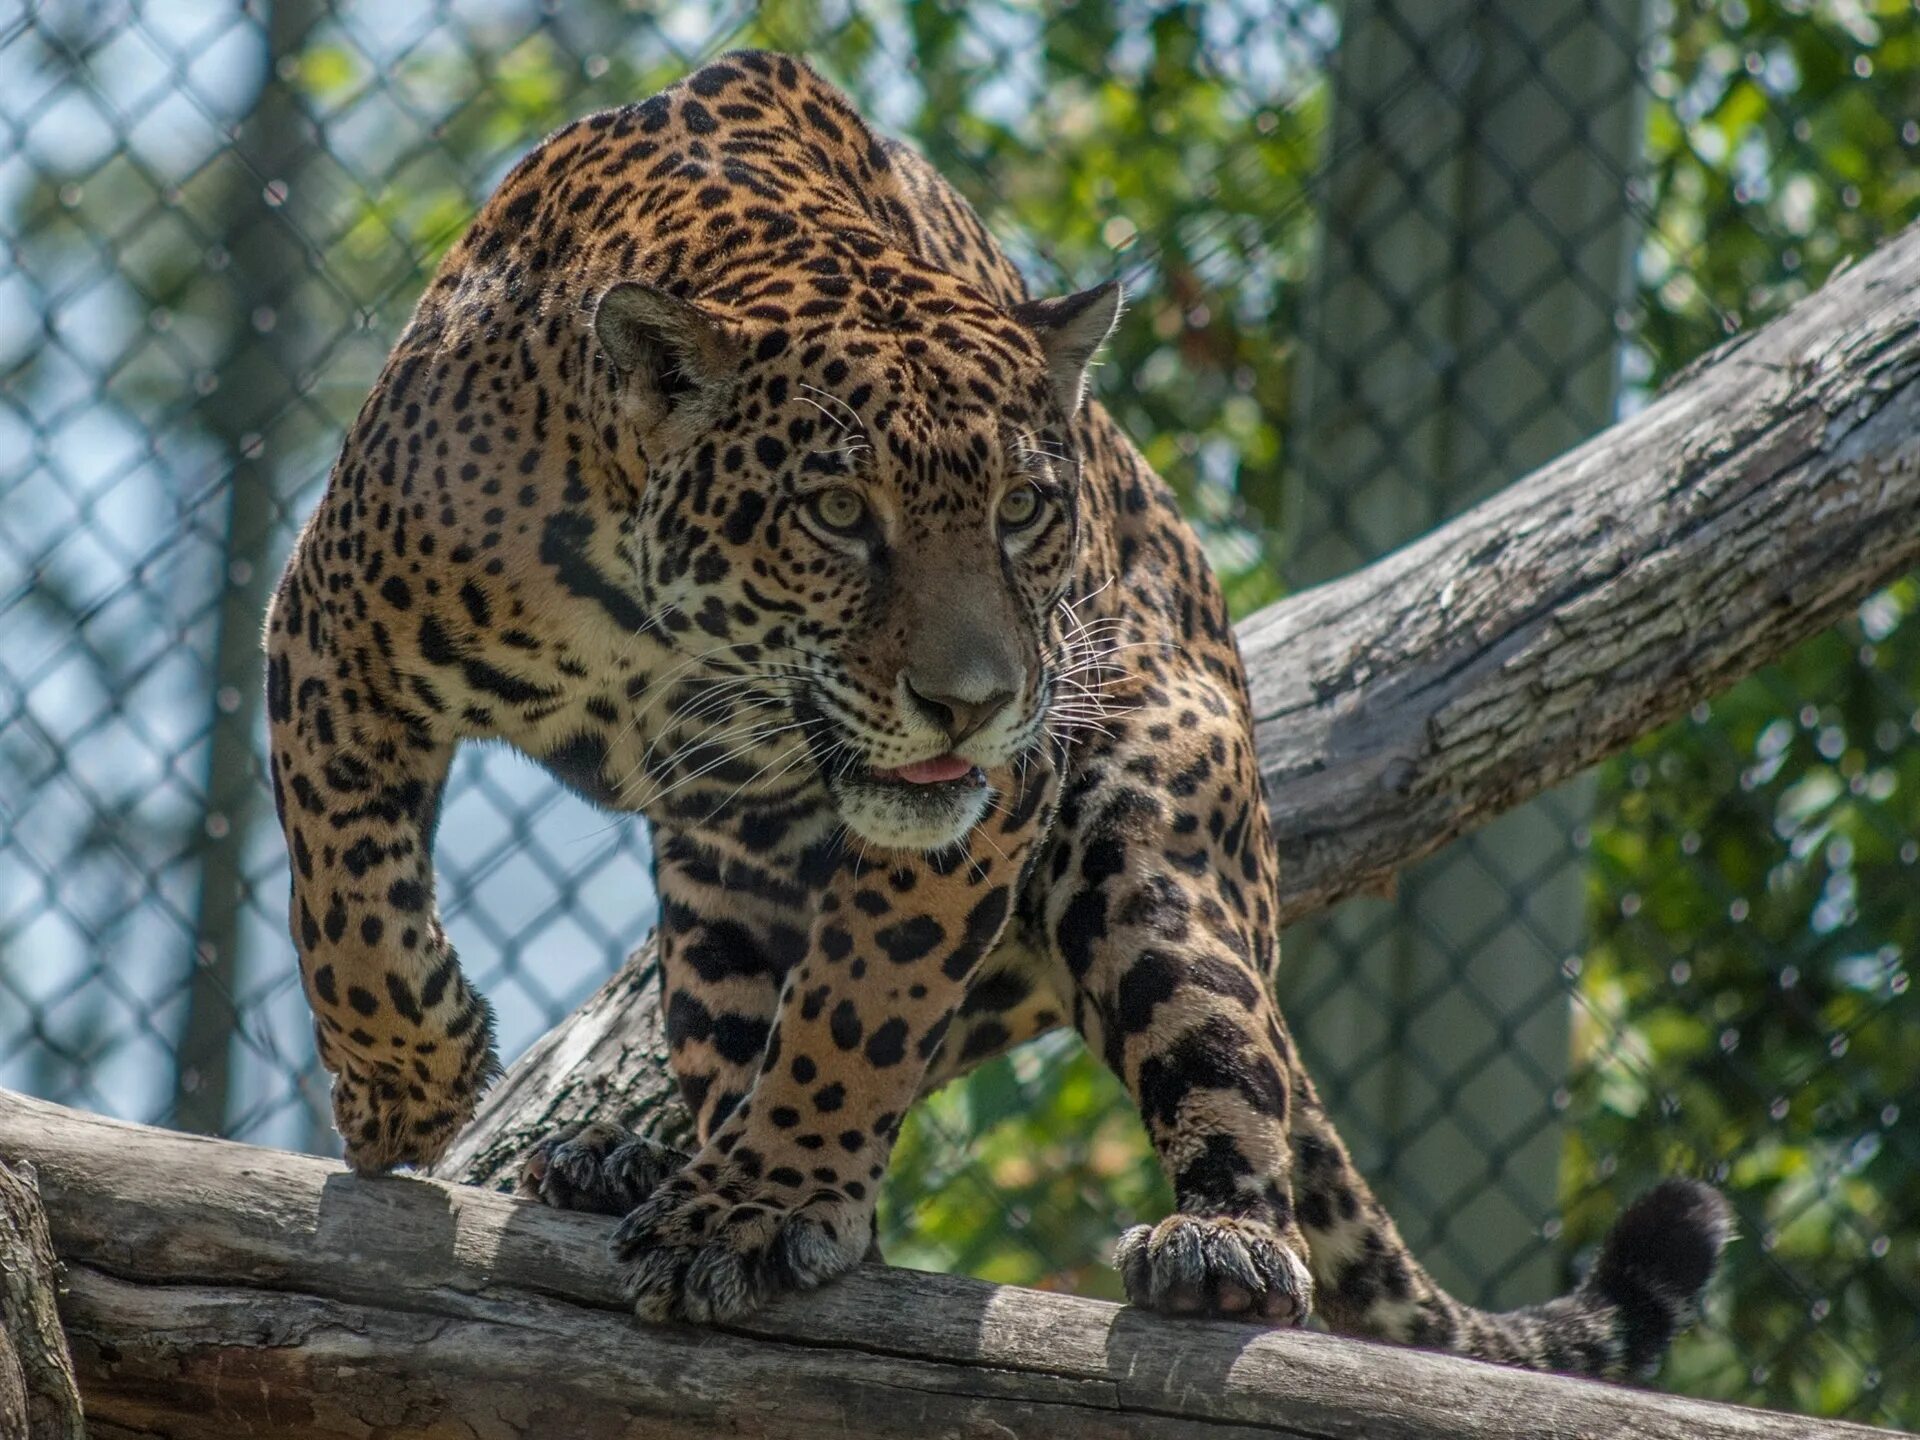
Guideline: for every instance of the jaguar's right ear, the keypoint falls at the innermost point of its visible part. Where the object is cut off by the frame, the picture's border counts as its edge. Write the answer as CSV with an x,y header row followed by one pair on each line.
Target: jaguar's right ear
x,y
671,357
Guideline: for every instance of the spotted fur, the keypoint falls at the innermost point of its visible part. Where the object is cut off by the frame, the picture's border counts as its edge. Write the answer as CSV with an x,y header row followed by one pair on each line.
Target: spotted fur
x,y
726,468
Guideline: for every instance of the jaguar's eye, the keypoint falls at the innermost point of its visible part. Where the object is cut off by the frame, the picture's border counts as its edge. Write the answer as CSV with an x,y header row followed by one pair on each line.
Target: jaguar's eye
x,y
1018,507
840,508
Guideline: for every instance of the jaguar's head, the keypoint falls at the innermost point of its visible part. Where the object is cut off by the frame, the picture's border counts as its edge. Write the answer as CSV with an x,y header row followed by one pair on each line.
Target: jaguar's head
x,y
862,503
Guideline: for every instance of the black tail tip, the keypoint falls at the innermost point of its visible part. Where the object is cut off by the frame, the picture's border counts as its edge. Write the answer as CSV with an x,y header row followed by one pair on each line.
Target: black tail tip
x,y
1656,1262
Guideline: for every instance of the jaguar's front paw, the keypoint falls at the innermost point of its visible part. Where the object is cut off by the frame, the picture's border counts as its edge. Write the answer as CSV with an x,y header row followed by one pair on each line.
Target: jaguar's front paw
x,y
390,1118
406,1107
598,1167
1240,1269
710,1245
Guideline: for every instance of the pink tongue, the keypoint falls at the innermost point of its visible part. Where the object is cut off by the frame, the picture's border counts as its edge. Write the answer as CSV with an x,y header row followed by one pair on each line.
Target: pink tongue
x,y
929,772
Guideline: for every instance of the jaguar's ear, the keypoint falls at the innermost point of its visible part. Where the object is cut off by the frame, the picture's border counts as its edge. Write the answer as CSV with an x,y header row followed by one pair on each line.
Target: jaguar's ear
x,y
1069,330
671,356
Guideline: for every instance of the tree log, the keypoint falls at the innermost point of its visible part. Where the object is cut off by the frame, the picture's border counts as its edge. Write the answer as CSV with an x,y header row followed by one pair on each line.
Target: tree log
x,y
39,1399
605,1061
218,1289
1773,486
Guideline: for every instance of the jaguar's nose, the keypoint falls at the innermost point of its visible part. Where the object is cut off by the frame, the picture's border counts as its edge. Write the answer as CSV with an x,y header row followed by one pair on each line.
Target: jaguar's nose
x,y
959,715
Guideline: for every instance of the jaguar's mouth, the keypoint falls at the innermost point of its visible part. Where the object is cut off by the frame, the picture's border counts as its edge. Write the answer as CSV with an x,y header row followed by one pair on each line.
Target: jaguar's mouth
x,y
941,770
925,805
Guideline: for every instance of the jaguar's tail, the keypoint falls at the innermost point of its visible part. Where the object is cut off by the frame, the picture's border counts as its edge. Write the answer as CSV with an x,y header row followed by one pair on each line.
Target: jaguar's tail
x,y
1653,1268
1644,1289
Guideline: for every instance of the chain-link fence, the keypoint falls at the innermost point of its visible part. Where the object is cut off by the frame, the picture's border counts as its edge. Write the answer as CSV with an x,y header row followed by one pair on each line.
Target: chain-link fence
x,y
1384,257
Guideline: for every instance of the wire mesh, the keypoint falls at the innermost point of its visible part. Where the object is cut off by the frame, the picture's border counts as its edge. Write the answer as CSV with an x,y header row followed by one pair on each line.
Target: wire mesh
x,y
1384,256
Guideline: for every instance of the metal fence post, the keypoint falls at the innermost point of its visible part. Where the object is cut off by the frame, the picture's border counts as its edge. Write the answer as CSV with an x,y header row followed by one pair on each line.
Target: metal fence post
x,y
1474,254
256,382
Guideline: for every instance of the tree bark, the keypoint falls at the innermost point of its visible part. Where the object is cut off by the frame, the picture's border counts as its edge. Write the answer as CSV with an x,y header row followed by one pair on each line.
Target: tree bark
x,y
217,1289
606,1061
39,1399
1772,487
1775,485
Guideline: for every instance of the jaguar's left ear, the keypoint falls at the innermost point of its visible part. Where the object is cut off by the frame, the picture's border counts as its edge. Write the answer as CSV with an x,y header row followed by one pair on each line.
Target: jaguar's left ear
x,y
673,357
1069,330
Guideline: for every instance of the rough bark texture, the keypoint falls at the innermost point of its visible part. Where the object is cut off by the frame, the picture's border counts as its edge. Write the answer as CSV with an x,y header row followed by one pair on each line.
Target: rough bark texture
x,y
217,1289
39,1399
1772,487
1765,493
606,1061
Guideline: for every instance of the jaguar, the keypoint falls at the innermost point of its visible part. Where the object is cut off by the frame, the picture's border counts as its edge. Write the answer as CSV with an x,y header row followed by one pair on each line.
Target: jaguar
x,y
728,469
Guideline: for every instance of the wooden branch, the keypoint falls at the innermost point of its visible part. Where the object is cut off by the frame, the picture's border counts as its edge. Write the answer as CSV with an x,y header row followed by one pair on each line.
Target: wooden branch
x,y
605,1061
39,1399
217,1289
1773,487
1769,490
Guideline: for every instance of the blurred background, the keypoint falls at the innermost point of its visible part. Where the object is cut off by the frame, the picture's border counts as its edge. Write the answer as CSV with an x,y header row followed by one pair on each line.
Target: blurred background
x,y
1384,256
